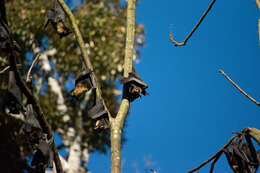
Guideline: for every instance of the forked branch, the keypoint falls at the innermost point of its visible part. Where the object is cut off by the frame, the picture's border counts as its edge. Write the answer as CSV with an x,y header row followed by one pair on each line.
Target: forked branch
x,y
193,30
243,92
117,123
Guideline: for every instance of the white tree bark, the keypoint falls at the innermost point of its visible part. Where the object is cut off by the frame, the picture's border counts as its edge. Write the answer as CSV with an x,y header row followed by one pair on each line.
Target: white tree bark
x,y
71,138
74,156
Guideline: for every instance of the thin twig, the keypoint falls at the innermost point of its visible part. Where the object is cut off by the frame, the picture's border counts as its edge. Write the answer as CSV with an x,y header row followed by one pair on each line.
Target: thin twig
x,y
39,114
194,29
7,68
214,156
82,46
30,69
243,92
214,162
4,70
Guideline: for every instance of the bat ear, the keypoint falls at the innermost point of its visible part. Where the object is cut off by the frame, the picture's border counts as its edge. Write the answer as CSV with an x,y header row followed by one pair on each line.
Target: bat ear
x,y
134,86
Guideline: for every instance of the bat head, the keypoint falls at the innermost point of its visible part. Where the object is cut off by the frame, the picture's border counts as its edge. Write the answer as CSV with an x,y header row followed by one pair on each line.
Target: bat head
x,y
84,82
134,86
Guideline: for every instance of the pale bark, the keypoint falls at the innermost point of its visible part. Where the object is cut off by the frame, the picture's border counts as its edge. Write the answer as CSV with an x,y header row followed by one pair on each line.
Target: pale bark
x,y
74,155
258,4
70,138
117,123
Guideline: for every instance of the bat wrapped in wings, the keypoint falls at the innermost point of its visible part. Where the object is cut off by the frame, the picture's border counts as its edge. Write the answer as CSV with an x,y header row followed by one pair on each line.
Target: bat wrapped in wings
x,y
56,17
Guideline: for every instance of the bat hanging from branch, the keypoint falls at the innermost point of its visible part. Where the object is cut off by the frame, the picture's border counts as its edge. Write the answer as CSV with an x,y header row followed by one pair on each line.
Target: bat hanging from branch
x,y
13,96
240,152
56,17
85,82
134,86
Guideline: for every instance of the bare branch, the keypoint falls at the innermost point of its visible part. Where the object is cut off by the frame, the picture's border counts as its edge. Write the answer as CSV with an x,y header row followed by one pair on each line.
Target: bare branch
x,y
39,114
4,70
82,47
214,162
216,155
243,92
258,4
7,68
259,30
193,30
117,123
30,69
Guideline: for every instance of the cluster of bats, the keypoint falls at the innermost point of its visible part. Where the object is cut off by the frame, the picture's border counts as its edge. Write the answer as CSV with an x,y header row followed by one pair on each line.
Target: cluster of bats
x,y
240,153
134,86
43,155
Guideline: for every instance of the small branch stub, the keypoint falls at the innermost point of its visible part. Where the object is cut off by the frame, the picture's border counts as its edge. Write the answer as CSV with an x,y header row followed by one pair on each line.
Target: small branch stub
x,y
30,69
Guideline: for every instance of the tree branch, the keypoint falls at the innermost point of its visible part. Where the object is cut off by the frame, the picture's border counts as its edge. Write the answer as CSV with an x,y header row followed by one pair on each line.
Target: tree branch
x,y
4,70
243,92
30,69
193,30
7,68
258,4
216,155
117,123
39,114
82,47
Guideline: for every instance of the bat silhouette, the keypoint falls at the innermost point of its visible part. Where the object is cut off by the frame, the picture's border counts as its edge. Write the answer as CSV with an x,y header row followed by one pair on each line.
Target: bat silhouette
x,y
13,96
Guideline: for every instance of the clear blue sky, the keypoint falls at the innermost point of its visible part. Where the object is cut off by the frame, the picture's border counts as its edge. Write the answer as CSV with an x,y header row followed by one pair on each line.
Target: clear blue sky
x,y
192,109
